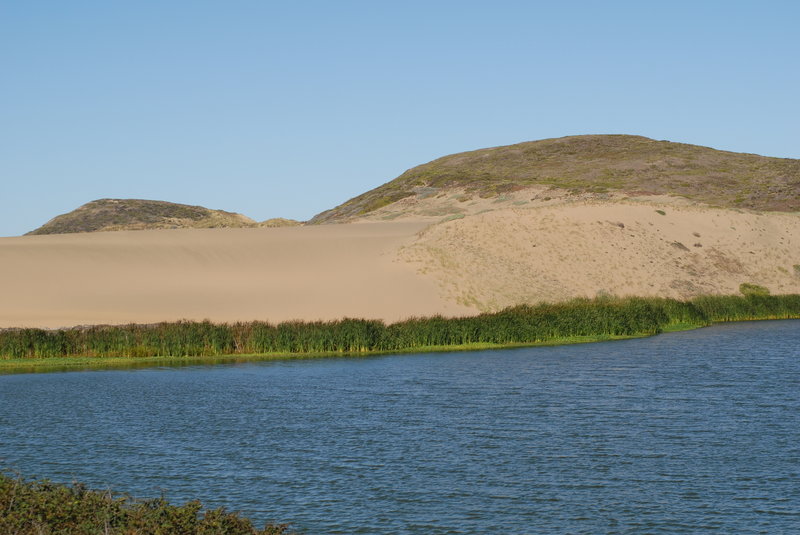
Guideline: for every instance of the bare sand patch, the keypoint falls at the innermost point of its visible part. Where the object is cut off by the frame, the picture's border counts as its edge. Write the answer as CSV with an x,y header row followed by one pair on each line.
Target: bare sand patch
x,y
274,274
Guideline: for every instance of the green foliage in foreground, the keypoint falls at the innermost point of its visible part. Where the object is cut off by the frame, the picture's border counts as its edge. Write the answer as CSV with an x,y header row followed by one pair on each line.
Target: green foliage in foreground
x,y
517,325
43,508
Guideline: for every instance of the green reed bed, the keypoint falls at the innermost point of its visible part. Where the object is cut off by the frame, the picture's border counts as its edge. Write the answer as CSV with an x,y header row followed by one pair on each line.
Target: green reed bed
x,y
43,507
721,308
526,324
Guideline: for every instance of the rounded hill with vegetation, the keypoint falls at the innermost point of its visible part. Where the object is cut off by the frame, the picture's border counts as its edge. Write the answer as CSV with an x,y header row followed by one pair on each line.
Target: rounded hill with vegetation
x,y
138,214
597,164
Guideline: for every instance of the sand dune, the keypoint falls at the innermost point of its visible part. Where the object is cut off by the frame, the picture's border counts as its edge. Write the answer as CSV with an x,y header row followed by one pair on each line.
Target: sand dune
x,y
588,248
496,255
273,274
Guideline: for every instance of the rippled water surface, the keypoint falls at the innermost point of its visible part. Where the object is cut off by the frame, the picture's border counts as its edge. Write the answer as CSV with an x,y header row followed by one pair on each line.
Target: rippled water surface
x,y
680,433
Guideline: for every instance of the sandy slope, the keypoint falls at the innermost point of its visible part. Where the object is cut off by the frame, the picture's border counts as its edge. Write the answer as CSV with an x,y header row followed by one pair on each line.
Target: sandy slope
x,y
587,248
272,274
529,247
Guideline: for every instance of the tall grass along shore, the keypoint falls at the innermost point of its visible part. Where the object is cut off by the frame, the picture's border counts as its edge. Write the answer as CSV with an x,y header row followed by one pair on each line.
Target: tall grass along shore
x,y
576,320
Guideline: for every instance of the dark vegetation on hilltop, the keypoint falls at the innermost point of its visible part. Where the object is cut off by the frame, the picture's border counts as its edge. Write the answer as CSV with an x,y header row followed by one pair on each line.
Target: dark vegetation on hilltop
x,y
525,324
43,507
137,214
598,163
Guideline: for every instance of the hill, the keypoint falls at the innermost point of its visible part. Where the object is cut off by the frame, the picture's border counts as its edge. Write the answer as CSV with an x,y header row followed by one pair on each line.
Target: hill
x,y
138,214
595,164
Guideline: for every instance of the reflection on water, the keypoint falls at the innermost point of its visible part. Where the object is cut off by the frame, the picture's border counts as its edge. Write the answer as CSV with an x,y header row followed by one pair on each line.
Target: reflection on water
x,y
126,363
682,433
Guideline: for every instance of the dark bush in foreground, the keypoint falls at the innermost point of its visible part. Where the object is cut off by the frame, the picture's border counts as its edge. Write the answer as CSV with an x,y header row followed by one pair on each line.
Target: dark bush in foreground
x,y
45,508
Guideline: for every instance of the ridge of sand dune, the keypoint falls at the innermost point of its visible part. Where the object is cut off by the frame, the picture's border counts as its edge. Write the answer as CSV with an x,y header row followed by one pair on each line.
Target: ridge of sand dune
x,y
587,248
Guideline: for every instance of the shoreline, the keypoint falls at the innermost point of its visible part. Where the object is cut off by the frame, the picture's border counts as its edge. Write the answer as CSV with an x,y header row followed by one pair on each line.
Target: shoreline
x,y
546,324
75,364
66,364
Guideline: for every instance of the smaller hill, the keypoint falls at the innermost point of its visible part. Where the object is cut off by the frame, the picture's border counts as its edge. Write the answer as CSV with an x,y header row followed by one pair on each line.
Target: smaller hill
x,y
139,214
280,222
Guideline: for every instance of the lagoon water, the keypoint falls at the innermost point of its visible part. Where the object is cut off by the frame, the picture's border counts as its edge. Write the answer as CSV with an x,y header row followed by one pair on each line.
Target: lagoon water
x,y
693,432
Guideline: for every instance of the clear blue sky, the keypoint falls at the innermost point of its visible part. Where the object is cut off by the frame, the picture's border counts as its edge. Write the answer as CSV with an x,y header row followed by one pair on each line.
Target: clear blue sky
x,y
289,108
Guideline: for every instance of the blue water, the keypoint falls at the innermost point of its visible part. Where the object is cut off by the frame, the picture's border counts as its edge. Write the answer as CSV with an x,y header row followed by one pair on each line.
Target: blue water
x,y
694,432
